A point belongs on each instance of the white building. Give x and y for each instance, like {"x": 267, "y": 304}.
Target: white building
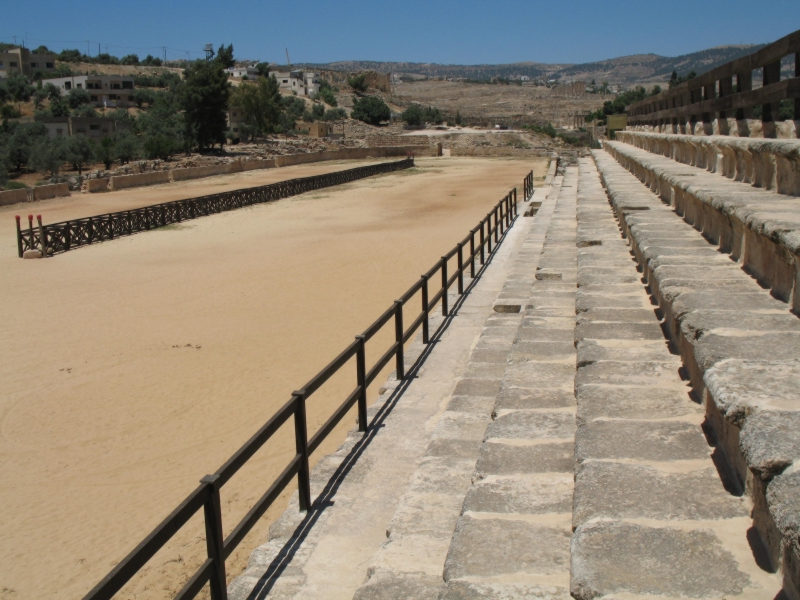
{"x": 110, "y": 91}
{"x": 303, "y": 84}
{"x": 249, "y": 71}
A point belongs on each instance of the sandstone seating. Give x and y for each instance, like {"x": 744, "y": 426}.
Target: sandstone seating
{"x": 739, "y": 347}
{"x": 759, "y": 228}
{"x": 771, "y": 164}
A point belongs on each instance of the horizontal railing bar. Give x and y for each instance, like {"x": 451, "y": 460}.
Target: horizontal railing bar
{"x": 411, "y": 291}
{"x": 327, "y": 427}
{"x": 197, "y": 581}
{"x": 133, "y": 562}
{"x": 382, "y": 362}
{"x": 320, "y": 378}
{"x": 434, "y": 269}
{"x": 379, "y": 322}
{"x": 435, "y": 299}
{"x": 452, "y": 279}
{"x": 251, "y": 446}
{"x": 147, "y": 548}
{"x": 413, "y": 328}
{"x": 261, "y": 506}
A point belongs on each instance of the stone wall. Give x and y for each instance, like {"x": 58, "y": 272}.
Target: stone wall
{"x": 97, "y": 185}
{"x": 13, "y": 196}
{"x": 128, "y": 181}
{"x": 45, "y": 192}
{"x": 198, "y": 172}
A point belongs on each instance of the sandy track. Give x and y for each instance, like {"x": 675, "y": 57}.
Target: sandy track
{"x": 131, "y": 368}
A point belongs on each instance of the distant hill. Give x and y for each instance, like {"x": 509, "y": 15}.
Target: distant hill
{"x": 625, "y": 70}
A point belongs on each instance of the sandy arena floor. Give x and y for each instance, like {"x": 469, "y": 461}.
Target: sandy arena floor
{"x": 132, "y": 368}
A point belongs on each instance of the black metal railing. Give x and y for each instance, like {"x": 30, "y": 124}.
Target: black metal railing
{"x": 67, "y": 235}
{"x": 712, "y": 93}
{"x": 471, "y": 256}
{"x": 527, "y": 187}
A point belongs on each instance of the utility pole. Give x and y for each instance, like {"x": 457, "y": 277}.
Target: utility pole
{"x": 15, "y": 39}
{"x": 165, "y": 54}
{"x": 87, "y": 47}
{"x": 288, "y": 62}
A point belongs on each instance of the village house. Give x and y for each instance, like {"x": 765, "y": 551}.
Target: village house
{"x": 108, "y": 91}
{"x": 22, "y": 60}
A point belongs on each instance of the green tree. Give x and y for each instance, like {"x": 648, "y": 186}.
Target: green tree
{"x": 53, "y": 93}
{"x": 158, "y": 146}
{"x": 59, "y": 108}
{"x": 412, "y": 115}
{"x": 87, "y": 110}
{"x": 78, "y": 97}
{"x": 79, "y": 152}
{"x": 260, "y": 104}
{"x": 327, "y": 93}
{"x": 143, "y": 96}
{"x": 129, "y": 59}
{"x": 19, "y": 88}
{"x": 263, "y": 69}
{"x": 358, "y": 82}
{"x": 204, "y": 100}
{"x": 39, "y": 96}
{"x": 371, "y": 109}
{"x": 48, "y": 155}
{"x": 225, "y": 56}
{"x": 21, "y": 142}
{"x": 150, "y": 61}
{"x": 72, "y": 56}
{"x": 126, "y": 147}
{"x": 335, "y": 114}
{"x": 105, "y": 152}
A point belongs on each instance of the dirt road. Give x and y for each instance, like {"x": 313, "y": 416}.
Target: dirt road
{"x": 132, "y": 368}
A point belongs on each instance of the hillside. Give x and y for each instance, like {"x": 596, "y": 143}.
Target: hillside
{"x": 625, "y": 70}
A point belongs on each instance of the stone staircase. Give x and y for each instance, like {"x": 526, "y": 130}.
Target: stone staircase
{"x": 612, "y": 413}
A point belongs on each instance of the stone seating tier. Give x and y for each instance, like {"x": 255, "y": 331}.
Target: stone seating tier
{"x": 766, "y": 163}
{"x": 739, "y": 346}
{"x": 759, "y": 228}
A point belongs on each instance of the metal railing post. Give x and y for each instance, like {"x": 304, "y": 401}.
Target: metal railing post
{"x": 301, "y": 446}
{"x": 425, "y": 339}
{"x": 214, "y": 539}
{"x": 361, "y": 374}
{"x": 496, "y": 225}
{"x": 444, "y": 286}
{"x": 19, "y": 236}
{"x": 42, "y": 236}
{"x": 489, "y": 234}
{"x": 460, "y": 269}
{"x": 483, "y": 242}
{"x": 472, "y": 254}
{"x": 398, "y": 336}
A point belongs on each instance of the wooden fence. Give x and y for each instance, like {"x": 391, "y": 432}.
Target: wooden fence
{"x": 68, "y": 235}
{"x": 713, "y": 95}
{"x": 470, "y": 255}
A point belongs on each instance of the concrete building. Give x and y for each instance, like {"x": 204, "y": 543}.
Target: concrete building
{"x": 235, "y": 119}
{"x": 95, "y": 128}
{"x": 109, "y": 91}
{"x": 297, "y": 81}
{"x": 22, "y": 60}
{"x": 249, "y": 71}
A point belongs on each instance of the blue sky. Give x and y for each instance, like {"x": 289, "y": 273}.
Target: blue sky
{"x": 443, "y": 31}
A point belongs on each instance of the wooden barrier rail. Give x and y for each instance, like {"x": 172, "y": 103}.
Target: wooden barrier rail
{"x": 207, "y": 495}
{"x": 67, "y": 235}
{"x": 712, "y": 92}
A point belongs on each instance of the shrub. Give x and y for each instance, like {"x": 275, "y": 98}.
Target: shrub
{"x": 78, "y": 97}
{"x": 326, "y": 93}
{"x": 335, "y": 114}
{"x": 159, "y": 146}
{"x": 129, "y": 59}
{"x": 412, "y": 115}
{"x": 371, "y": 109}
{"x": 546, "y": 129}
{"x": 358, "y": 82}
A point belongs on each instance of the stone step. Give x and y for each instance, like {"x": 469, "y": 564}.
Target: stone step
{"x": 512, "y": 537}
{"x": 651, "y": 514}
{"x": 759, "y": 228}
{"x": 416, "y": 561}
{"x": 772, "y": 164}
{"x": 326, "y": 553}
{"x": 738, "y": 347}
